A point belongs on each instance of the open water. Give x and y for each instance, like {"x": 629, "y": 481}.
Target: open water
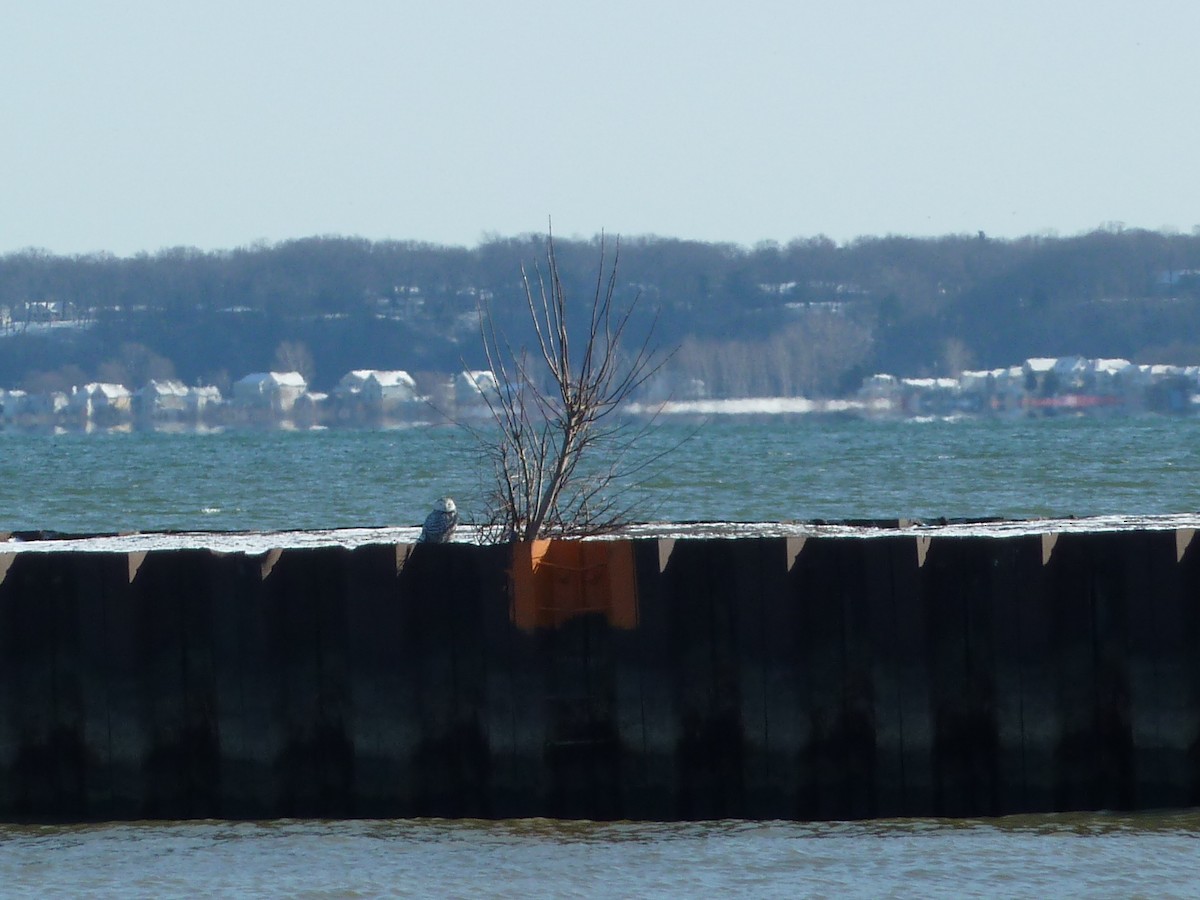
{"x": 782, "y": 470}
{"x": 728, "y": 470}
{"x": 1043, "y": 856}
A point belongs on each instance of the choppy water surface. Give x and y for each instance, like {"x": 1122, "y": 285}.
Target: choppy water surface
{"x": 795, "y": 469}
{"x": 1046, "y": 856}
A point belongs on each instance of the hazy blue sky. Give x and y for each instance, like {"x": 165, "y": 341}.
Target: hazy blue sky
{"x": 145, "y": 124}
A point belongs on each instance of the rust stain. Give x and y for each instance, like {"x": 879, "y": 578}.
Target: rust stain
{"x": 553, "y": 581}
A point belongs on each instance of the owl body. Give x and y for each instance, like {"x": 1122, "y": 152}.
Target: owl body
{"x": 439, "y": 524}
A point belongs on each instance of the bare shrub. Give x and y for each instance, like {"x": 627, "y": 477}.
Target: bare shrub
{"x": 560, "y": 452}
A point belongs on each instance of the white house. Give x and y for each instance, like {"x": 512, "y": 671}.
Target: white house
{"x": 346, "y": 398}
{"x": 1039, "y": 366}
{"x": 981, "y": 381}
{"x": 103, "y": 394}
{"x": 161, "y": 401}
{"x": 276, "y": 392}
{"x": 377, "y": 386}
{"x": 389, "y": 388}
{"x": 203, "y": 397}
{"x": 1044, "y": 374}
{"x": 366, "y": 396}
{"x": 1111, "y": 376}
{"x": 42, "y": 409}
{"x": 309, "y": 409}
{"x": 1010, "y": 388}
{"x": 351, "y": 384}
{"x": 471, "y": 386}
{"x": 100, "y": 403}
{"x": 881, "y": 392}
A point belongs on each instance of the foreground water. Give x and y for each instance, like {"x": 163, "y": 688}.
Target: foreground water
{"x": 734, "y": 471}
{"x": 797, "y": 469}
{"x": 1045, "y": 856}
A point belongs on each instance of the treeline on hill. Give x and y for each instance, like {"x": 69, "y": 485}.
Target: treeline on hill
{"x": 810, "y": 317}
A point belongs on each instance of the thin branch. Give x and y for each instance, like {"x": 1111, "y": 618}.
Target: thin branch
{"x": 558, "y": 453}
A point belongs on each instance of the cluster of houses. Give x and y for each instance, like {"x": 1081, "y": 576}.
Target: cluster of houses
{"x": 365, "y": 398}
{"x": 371, "y": 398}
{"x": 1040, "y": 386}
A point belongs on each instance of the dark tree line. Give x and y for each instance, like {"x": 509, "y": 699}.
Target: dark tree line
{"x": 820, "y": 312}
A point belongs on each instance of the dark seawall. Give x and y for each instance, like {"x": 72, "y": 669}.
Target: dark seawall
{"x": 769, "y": 677}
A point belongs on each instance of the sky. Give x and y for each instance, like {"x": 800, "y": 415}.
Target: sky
{"x": 137, "y": 125}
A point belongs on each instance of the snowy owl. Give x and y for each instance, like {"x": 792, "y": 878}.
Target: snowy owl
{"x": 439, "y": 524}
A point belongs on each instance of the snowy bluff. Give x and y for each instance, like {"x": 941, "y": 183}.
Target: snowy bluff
{"x": 801, "y": 672}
